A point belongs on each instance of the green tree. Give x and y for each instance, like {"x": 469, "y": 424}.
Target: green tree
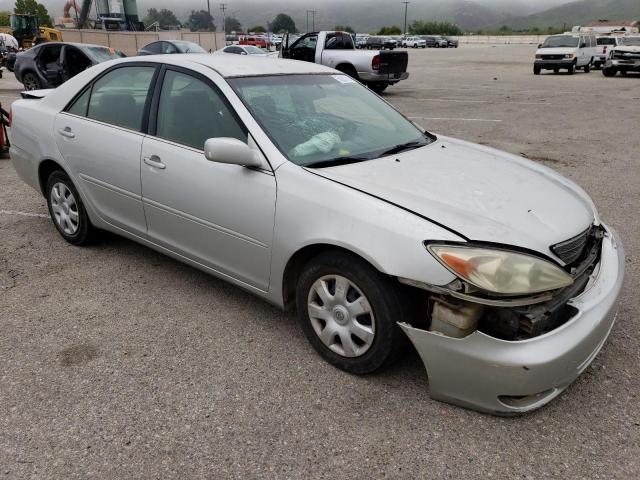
{"x": 345, "y": 28}
{"x": 232, "y": 25}
{"x": 31, "y": 7}
{"x": 257, "y": 29}
{"x": 201, "y": 21}
{"x": 166, "y": 18}
{"x": 420, "y": 27}
{"x": 4, "y": 19}
{"x": 390, "y": 31}
{"x": 283, "y": 23}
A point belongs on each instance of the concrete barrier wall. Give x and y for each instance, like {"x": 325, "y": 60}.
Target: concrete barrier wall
{"x": 502, "y": 39}
{"x": 130, "y": 42}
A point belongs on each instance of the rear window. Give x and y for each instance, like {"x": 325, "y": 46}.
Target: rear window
{"x": 606, "y": 41}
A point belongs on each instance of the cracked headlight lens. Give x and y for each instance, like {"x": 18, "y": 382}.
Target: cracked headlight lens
{"x": 501, "y": 271}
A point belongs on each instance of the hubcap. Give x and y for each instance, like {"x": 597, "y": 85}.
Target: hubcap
{"x": 64, "y": 209}
{"x": 341, "y": 316}
{"x": 30, "y": 82}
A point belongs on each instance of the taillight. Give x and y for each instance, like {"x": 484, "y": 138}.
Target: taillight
{"x": 604, "y": 49}
{"x": 375, "y": 63}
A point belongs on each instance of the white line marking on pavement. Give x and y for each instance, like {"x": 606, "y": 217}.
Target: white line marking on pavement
{"x": 465, "y": 100}
{"x": 23, "y": 214}
{"x": 456, "y": 119}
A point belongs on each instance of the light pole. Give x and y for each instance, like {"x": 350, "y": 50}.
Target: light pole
{"x": 313, "y": 19}
{"x": 223, "y": 7}
{"x": 406, "y": 6}
{"x": 208, "y": 7}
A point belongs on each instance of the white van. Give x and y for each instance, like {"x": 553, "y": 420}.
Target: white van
{"x": 568, "y": 51}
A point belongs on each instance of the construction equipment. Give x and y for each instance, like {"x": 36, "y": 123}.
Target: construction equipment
{"x": 111, "y": 15}
{"x": 28, "y": 32}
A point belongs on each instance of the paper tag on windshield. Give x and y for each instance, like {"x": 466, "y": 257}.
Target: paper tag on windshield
{"x": 344, "y": 79}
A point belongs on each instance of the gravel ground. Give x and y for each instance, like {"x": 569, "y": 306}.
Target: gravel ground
{"x": 118, "y": 362}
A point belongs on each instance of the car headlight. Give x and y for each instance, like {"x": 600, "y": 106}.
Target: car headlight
{"x": 500, "y": 271}
{"x": 569, "y": 55}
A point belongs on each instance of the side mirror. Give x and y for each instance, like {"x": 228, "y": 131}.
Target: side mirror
{"x": 231, "y": 151}
{"x": 539, "y": 45}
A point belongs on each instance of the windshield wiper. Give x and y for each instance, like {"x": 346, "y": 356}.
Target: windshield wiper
{"x": 404, "y": 146}
{"x": 334, "y": 162}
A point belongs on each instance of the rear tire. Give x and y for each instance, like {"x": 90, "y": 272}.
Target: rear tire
{"x": 67, "y": 210}
{"x": 378, "y": 87}
{"x": 31, "y": 81}
{"x": 349, "y": 312}
{"x": 348, "y": 70}
{"x": 587, "y": 68}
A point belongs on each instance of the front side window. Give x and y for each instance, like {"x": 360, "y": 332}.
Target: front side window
{"x": 317, "y": 120}
{"x": 191, "y": 112}
{"x": 631, "y": 41}
{"x": 119, "y": 97}
{"x": 155, "y": 47}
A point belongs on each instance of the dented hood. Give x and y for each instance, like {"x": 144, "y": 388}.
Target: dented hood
{"x": 481, "y": 193}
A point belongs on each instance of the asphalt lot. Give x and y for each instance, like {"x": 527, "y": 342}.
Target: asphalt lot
{"x": 117, "y": 362}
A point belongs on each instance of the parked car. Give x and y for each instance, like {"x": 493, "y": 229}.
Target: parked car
{"x": 414, "y": 42}
{"x": 256, "y": 41}
{"x": 244, "y": 50}
{"x": 380, "y": 43}
{"x": 435, "y": 41}
{"x": 567, "y": 52}
{"x": 300, "y": 185}
{"x": 361, "y": 40}
{"x": 451, "y": 42}
{"x": 624, "y": 58}
{"x": 51, "y": 64}
{"x": 605, "y": 45}
{"x": 377, "y": 69}
{"x": 171, "y": 47}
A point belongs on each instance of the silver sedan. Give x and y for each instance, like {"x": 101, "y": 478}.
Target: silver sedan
{"x": 297, "y": 183}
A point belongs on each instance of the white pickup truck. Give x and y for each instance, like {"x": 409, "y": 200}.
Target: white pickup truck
{"x": 376, "y": 69}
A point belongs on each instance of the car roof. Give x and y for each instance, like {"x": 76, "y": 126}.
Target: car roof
{"x": 237, "y": 65}
{"x": 73, "y": 44}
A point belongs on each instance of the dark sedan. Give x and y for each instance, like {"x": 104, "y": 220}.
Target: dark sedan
{"x": 164, "y": 47}
{"x": 51, "y": 64}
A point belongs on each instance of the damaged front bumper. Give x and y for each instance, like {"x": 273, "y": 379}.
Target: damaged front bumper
{"x": 510, "y": 377}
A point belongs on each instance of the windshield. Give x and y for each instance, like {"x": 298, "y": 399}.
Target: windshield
{"x": 188, "y": 47}
{"x": 103, "y": 54}
{"x": 631, "y": 41}
{"x": 323, "y": 120}
{"x": 561, "y": 41}
{"x": 250, "y": 49}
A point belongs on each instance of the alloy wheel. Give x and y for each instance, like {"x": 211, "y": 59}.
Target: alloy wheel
{"x": 341, "y": 316}
{"x": 65, "y": 209}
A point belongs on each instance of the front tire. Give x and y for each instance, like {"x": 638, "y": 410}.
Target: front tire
{"x": 609, "y": 72}
{"x": 536, "y": 70}
{"x": 348, "y": 312}
{"x": 571, "y": 70}
{"x": 67, "y": 210}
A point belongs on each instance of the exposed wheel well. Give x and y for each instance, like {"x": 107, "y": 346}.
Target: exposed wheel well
{"x": 45, "y": 169}
{"x": 348, "y": 69}
{"x": 297, "y": 262}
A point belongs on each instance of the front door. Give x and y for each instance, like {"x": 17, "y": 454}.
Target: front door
{"x": 100, "y": 138}
{"x": 219, "y": 215}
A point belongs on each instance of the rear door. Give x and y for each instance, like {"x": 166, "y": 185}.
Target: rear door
{"x": 100, "y": 137}
{"x": 219, "y": 215}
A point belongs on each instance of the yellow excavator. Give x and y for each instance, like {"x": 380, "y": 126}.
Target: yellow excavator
{"x": 27, "y": 31}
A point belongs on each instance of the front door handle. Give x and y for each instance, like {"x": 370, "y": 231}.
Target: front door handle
{"x": 67, "y": 132}
{"x": 155, "y": 162}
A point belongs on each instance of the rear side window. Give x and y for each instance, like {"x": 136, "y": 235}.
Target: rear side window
{"x": 119, "y": 97}
{"x": 191, "y": 112}
{"x": 154, "y": 47}
{"x": 81, "y": 104}
{"x": 606, "y": 41}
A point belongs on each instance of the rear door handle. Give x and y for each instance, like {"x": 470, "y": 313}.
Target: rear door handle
{"x": 67, "y": 133}
{"x": 155, "y": 162}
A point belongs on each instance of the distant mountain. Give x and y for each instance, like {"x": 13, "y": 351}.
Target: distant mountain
{"x": 575, "y": 13}
{"x": 363, "y": 15}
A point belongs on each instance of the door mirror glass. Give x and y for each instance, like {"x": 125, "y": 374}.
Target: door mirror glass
{"x": 231, "y": 151}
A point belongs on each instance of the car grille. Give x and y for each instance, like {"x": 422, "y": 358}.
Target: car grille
{"x": 571, "y": 250}
{"x": 626, "y": 56}
{"x": 552, "y": 57}
{"x": 393, "y": 62}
